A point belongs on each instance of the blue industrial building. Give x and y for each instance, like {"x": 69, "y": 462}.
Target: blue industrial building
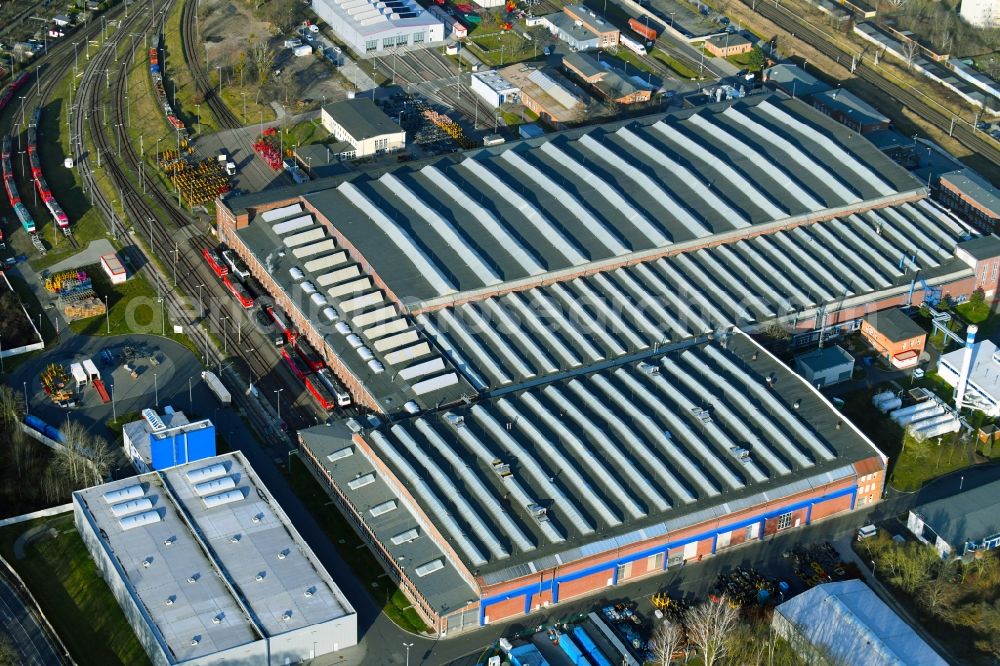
{"x": 160, "y": 441}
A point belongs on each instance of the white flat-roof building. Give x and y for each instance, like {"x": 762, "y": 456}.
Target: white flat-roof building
{"x": 372, "y": 26}
{"x": 494, "y": 88}
{"x": 983, "y": 389}
{"x": 209, "y": 570}
{"x": 362, "y": 124}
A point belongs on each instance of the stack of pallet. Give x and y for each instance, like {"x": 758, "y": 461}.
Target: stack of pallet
{"x": 83, "y": 307}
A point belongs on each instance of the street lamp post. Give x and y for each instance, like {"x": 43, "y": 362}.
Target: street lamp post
{"x": 156, "y": 391}
{"x": 201, "y": 302}
{"x": 27, "y": 407}
{"x": 407, "y": 646}
{"x": 190, "y": 399}
{"x": 107, "y": 314}
{"x": 114, "y": 410}
{"x": 277, "y": 392}
{"x": 225, "y": 341}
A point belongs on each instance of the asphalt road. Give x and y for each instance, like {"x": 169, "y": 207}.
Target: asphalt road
{"x": 30, "y": 641}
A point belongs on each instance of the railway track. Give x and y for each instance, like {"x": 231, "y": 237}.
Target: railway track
{"x": 961, "y": 130}
{"x": 174, "y": 237}
{"x": 224, "y": 116}
{"x": 52, "y": 67}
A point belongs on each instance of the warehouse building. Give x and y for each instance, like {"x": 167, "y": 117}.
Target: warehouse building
{"x": 673, "y": 225}
{"x": 846, "y": 623}
{"x": 963, "y": 523}
{"x": 209, "y": 570}
{"x": 568, "y": 312}
{"x": 373, "y": 26}
{"x": 158, "y": 441}
{"x": 543, "y": 494}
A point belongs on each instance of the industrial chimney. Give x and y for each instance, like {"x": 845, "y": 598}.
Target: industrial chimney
{"x": 963, "y": 376}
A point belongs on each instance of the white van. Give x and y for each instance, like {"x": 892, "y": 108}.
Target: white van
{"x": 867, "y": 532}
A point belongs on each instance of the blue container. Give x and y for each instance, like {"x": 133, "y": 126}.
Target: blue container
{"x": 154, "y": 69}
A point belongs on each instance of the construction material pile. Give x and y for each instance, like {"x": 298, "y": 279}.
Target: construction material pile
{"x": 199, "y": 182}
{"x": 56, "y": 384}
{"x": 449, "y": 127}
{"x": 76, "y": 294}
{"x": 266, "y": 147}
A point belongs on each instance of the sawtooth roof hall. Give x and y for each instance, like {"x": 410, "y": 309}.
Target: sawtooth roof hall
{"x": 540, "y": 456}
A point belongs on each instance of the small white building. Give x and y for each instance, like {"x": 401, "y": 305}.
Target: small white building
{"x": 112, "y": 265}
{"x": 362, "y": 124}
{"x": 982, "y": 391}
{"x": 980, "y": 13}
{"x": 495, "y": 89}
{"x": 825, "y": 367}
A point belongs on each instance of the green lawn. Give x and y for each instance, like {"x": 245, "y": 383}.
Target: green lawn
{"x": 54, "y": 147}
{"x": 676, "y": 65}
{"x": 71, "y": 592}
{"x": 974, "y": 313}
{"x": 352, "y": 548}
{"x": 919, "y": 462}
{"x": 133, "y": 309}
{"x": 634, "y": 60}
{"x": 304, "y": 133}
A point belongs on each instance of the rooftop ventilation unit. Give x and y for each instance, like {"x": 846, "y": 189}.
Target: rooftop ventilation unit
{"x": 330, "y": 314}
{"x": 122, "y": 494}
{"x": 353, "y": 425}
{"x": 318, "y": 299}
{"x": 539, "y": 512}
{"x": 355, "y": 341}
{"x": 309, "y": 592}
{"x": 286, "y": 616}
{"x": 501, "y": 468}
{"x": 343, "y": 328}
{"x": 140, "y": 519}
{"x": 455, "y": 419}
{"x": 131, "y": 506}
{"x": 365, "y": 353}
{"x": 296, "y": 273}
{"x": 648, "y": 368}
{"x": 411, "y": 407}
{"x": 429, "y": 567}
{"x": 384, "y": 507}
{"x": 740, "y": 454}
{"x": 405, "y": 537}
{"x": 376, "y": 366}
{"x": 341, "y": 453}
{"x": 308, "y": 287}
{"x": 156, "y": 424}
{"x": 206, "y": 473}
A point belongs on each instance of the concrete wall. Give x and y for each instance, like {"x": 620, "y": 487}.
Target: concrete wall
{"x": 114, "y": 576}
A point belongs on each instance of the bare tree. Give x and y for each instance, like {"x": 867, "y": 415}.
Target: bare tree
{"x": 895, "y": 4}
{"x": 262, "y": 56}
{"x": 8, "y": 655}
{"x": 708, "y": 627}
{"x": 910, "y": 49}
{"x": 667, "y": 639}
{"x": 11, "y": 408}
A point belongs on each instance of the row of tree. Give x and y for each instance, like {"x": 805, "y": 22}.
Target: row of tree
{"x": 720, "y": 633}
{"x": 963, "y": 595}
{"x": 36, "y": 476}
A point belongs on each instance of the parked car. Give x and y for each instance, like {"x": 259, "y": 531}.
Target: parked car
{"x": 313, "y": 27}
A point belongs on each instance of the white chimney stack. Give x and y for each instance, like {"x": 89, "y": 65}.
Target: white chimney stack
{"x": 963, "y": 377}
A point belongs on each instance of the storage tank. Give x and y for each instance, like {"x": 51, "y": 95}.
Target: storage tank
{"x": 940, "y": 426}
{"x": 879, "y": 398}
{"x": 906, "y": 414}
{"x": 893, "y": 403}
{"x": 924, "y": 424}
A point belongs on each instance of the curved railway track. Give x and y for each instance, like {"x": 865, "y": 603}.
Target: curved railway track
{"x": 961, "y": 130}
{"x": 223, "y": 114}
{"x": 176, "y": 237}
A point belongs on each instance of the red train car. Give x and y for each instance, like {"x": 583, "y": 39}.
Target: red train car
{"x": 309, "y": 355}
{"x": 215, "y": 262}
{"x": 21, "y": 80}
{"x": 282, "y": 321}
{"x": 36, "y": 165}
{"x": 322, "y": 394}
{"x": 294, "y": 364}
{"x": 12, "y": 195}
{"x": 239, "y": 291}
{"x": 43, "y": 189}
